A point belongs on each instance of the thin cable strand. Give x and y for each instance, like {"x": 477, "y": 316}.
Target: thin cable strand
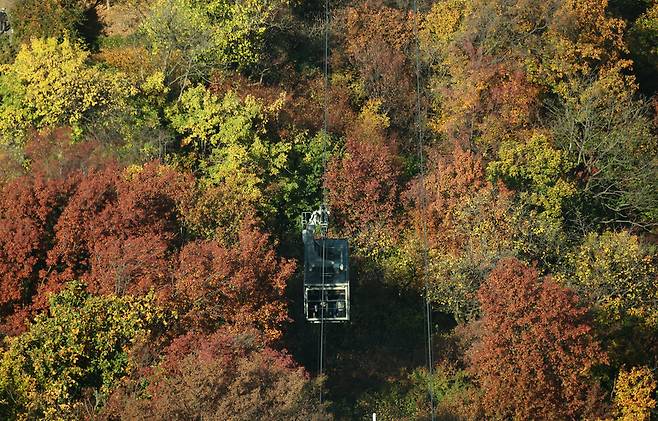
{"x": 423, "y": 211}
{"x": 325, "y": 135}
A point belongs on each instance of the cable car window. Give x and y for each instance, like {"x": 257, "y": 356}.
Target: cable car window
{"x": 334, "y": 265}
{"x": 336, "y": 304}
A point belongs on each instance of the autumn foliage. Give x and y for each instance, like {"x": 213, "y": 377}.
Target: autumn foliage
{"x": 379, "y": 40}
{"x": 220, "y": 376}
{"x": 364, "y": 183}
{"x": 241, "y": 286}
{"x": 29, "y": 207}
{"x": 536, "y": 349}
{"x": 122, "y": 231}
{"x": 109, "y": 228}
{"x": 77, "y": 347}
{"x": 495, "y": 160}
{"x": 635, "y": 391}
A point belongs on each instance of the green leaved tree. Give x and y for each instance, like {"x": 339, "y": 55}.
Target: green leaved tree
{"x": 74, "y": 353}
{"x": 229, "y": 141}
{"x": 51, "y": 84}
{"x": 188, "y": 39}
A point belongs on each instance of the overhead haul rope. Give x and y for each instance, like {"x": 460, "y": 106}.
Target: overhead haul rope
{"x": 423, "y": 214}
{"x": 423, "y": 197}
{"x": 325, "y": 135}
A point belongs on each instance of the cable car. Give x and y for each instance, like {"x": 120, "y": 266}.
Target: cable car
{"x": 326, "y": 270}
{"x": 5, "y": 27}
{"x": 4, "y": 22}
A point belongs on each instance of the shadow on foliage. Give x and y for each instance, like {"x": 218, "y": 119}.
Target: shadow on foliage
{"x": 384, "y": 338}
{"x": 91, "y": 28}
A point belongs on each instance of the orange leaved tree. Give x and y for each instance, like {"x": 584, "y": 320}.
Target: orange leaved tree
{"x": 535, "y": 349}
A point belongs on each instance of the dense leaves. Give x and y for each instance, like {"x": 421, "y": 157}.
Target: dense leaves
{"x": 114, "y": 230}
{"x": 364, "y": 183}
{"x": 189, "y": 39}
{"x": 218, "y": 377}
{"x": 70, "y": 358}
{"x": 243, "y": 285}
{"x": 535, "y": 350}
{"x": 634, "y": 393}
{"x": 156, "y": 156}
{"x": 50, "y": 84}
{"x": 470, "y": 226}
{"x": 30, "y": 206}
{"x": 50, "y": 18}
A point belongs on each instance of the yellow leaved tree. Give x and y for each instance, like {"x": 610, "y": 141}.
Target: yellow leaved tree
{"x": 635, "y": 394}
{"x": 51, "y": 84}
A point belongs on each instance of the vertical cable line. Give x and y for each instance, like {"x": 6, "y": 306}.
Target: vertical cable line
{"x": 423, "y": 212}
{"x": 325, "y": 135}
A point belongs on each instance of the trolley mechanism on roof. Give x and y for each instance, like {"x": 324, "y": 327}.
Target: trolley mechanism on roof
{"x": 326, "y": 270}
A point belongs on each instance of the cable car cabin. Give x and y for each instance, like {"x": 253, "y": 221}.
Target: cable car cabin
{"x": 4, "y": 22}
{"x": 326, "y": 271}
{"x": 326, "y": 262}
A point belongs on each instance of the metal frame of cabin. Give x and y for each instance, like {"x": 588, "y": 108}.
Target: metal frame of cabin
{"x": 326, "y": 273}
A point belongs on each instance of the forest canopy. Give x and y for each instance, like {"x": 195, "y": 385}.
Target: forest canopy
{"x": 495, "y": 159}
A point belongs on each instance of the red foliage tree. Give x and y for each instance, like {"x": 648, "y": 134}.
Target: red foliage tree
{"x": 113, "y": 229}
{"x": 218, "y": 377}
{"x": 364, "y": 184}
{"x": 27, "y": 208}
{"x": 535, "y": 348}
{"x": 119, "y": 230}
{"x": 123, "y": 231}
{"x": 242, "y": 285}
